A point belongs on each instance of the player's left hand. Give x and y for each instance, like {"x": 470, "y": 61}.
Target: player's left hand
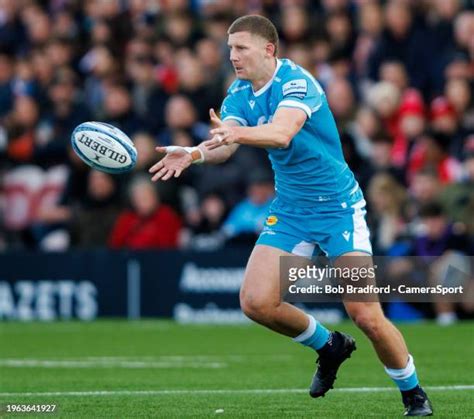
{"x": 222, "y": 134}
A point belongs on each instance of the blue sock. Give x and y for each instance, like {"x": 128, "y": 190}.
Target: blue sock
{"x": 405, "y": 378}
{"x": 315, "y": 336}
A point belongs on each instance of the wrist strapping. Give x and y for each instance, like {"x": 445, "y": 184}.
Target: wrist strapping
{"x": 196, "y": 153}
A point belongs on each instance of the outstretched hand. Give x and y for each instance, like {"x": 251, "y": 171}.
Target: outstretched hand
{"x": 176, "y": 160}
{"x": 222, "y": 134}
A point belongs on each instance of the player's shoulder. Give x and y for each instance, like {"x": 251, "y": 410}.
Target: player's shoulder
{"x": 238, "y": 88}
{"x": 294, "y": 77}
{"x": 289, "y": 69}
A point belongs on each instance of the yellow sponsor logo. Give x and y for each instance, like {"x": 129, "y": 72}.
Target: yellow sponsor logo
{"x": 271, "y": 220}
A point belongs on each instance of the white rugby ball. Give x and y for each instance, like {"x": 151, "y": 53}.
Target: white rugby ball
{"x": 104, "y": 147}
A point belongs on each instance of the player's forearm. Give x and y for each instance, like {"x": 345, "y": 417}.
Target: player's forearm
{"x": 268, "y": 135}
{"x": 218, "y": 155}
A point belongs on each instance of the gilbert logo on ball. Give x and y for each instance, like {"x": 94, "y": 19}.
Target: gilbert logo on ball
{"x": 104, "y": 147}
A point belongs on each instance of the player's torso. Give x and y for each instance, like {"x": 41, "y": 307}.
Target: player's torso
{"x": 312, "y": 167}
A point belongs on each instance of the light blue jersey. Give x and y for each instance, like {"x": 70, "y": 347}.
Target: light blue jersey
{"x": 319, "y": 205}
{"x": 312, "y": 169}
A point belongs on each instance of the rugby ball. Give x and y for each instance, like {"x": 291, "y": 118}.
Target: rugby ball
{"x": 104, "y": 147}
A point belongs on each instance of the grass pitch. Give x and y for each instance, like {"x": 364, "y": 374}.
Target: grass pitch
{"x": 120, "y": 369}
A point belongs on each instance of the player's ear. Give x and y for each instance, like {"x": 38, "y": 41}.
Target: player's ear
{"x": 270, "y": 49}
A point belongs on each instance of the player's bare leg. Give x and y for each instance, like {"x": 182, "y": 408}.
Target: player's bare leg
{"x": 260, "y": 299}
{"x": 388, "y": 343}
{"x": 260, "y": 294}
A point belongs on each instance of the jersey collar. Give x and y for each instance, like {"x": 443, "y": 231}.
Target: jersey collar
{"x": 269, "y": 82}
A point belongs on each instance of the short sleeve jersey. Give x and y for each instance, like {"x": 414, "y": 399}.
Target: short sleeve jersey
{"x": 312, "y": 168}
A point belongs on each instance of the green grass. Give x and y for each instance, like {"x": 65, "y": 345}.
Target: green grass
{"x": 168, "y": 356}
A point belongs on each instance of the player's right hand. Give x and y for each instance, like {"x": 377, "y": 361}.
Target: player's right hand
{"x": 175, "y": 161}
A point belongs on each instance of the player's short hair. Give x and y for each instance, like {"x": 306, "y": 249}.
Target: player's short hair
{"x": 257, "y": 25}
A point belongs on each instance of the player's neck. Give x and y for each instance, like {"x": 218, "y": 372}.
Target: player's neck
{"x": 267, "y": 73}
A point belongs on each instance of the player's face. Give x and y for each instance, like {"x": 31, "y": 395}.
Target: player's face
{"x": 247, "y": 54}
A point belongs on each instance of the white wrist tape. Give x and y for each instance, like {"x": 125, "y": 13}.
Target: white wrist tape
{"x": 196, "y": 153}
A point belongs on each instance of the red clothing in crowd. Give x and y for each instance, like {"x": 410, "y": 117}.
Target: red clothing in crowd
{"x": 158, "y": 230}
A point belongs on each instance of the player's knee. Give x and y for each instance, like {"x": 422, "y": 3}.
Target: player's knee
{"x": 372, "y": 326}
{"x": 256, "y": 307}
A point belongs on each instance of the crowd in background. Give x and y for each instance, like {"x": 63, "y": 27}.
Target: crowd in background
{"x": 398, "y": 76}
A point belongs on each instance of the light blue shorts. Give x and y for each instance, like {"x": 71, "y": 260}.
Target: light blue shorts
{"x": 333, "y": 227}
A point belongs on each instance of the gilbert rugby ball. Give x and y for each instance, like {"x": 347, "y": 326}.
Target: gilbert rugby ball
{"x": 104, "y": 147}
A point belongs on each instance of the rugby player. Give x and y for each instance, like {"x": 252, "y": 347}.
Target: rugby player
{"x": 277, "y": 105}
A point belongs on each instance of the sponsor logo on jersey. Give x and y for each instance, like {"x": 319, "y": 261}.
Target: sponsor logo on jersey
{"x": 271, "y": 220}
{"x": 297, "y": 88}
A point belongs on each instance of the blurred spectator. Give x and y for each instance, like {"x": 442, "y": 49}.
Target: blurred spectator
{"x": 193, "y": 84}
{"x": 384, "y": 98}
{"x": 431, "y": 151}
{"x": 20, "y": 129}
{"x": 386, "y": 199}
{"x": 364, "y": 129}
{"x": 64, "y": 113}
{"x": 395, "y": 73}
{"x": 443, "y": 116}
{"x": 215, "y": 72}
{"x": 356, "y": 162}
{"x": 442, "y": 245}
{"x": 464, "y": 32}
{"x": 58, "y": 215}
{"x": 445, "y": 120}
{"x": 438, "y": 256}
{"x": 89, "y": 196}
{"x": 181, "y": 118}
{"x": 118, "y": 110}
{"x": 93, "y": 220}
{"x": 437, "y": 235}
{"x": 60, "y": 52}
{"x": 295, "y": 25}
{"x": 146, "y": 154}
{"x": 148, "y": 223}
{"x": 12, "y": 34}
{"x": 6, "y": 87}
{"x": 166, "y": 71}
{"x": 24, "y": 82}
{"x": 180, "y": 28}
{"x": 407, "y": 42}
{"x": 342, "y": 101}
{"x": 246, "y": 220}
{"x": 205, "y": 230}
{"x": 300, "y": 54}
{"x": 370, "y": 26}
{"x": 424, "y": 189}
{"x": 458, "y": 198}
{"x": 100, "y": 68}
{"x": 341, "y": 36}
{"x": 411, "y": 124}
{"x": 148, "y": 99}
{"x": 458, "y": 92}
{"x": 380, "y": 158}
{"x": 445, "y": 12}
